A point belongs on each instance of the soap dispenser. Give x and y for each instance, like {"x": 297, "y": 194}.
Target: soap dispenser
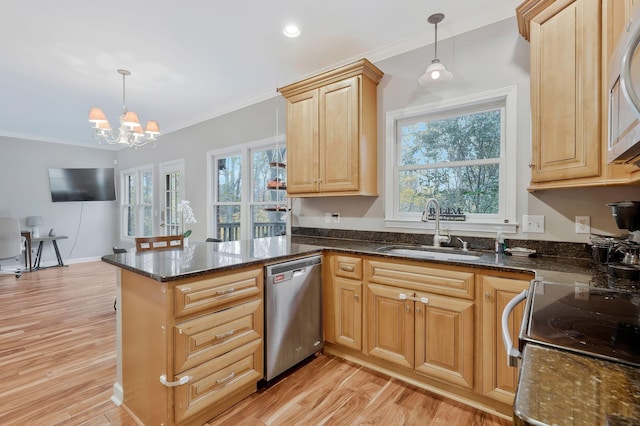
{"x": 499, "y": 245}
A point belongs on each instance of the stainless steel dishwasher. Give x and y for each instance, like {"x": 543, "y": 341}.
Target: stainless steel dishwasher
{"x": 293, "y": 313}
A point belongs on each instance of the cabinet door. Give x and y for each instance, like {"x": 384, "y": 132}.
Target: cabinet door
{"x": 302, "y": 143}
{"x": 348, "y": 312}
{"x": 390, "y": 328}
{"x": 339, "y": 141}
{"x": 444, "y": 339}
{"x": 565, "y": 91}
{"x": 498, "y": 379}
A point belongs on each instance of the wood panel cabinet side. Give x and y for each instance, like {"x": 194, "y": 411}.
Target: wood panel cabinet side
{"x": 144, "y": 349}
{"x": 369, "y": 137}
{"x": 328, "y": 305}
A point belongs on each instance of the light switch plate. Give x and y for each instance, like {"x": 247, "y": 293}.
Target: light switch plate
{"x": 583, "y": 224}
{"x": 533, "y": 224}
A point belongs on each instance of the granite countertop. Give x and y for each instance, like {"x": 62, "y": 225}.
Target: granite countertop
{"x": 561, "y": 388}
{"x": 202, "y": 258}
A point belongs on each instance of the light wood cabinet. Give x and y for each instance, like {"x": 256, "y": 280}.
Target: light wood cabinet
{"x": 332, "y": 132}
{"x": 498, "y": 379}
{"x": 202, "y": 335}
{"x": 571, "y": 44}
{"x": 343, "y": 301}
{"x": 413, "y": 323}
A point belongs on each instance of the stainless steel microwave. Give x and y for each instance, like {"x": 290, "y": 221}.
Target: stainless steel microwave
{"x": 624, "y": 99}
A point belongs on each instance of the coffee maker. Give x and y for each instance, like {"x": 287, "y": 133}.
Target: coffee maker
{"x": 623, "y": 256}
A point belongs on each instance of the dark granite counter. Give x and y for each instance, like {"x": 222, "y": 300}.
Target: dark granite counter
{"x": 204, "y": 258}
{"x": 560, "y": 388}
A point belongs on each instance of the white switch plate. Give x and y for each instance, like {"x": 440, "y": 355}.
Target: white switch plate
{"x": 533, "y": 224}
{"x": 583, "y": 224}
{"x": 336, "y": 218}
{"x": 327, "y": 217}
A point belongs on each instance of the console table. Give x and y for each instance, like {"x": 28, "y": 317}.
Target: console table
{"x": 41, "y": 241}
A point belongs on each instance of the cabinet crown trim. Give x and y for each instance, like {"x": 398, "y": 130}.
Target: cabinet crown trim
{"x": 361, "y": 67}
{"x": 528, "y": 10}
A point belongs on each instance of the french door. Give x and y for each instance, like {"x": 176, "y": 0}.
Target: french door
{"x": 172, "y": 187}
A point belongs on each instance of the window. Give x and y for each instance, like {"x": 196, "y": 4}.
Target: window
{"x": 172, "y": 185}
{"x": 249, "y": 191}
{"x": 461, "y": 152}
{"x": 137, "y": 202}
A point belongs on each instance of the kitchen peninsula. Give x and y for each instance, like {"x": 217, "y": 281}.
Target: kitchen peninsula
{"x": 195, "y": 317}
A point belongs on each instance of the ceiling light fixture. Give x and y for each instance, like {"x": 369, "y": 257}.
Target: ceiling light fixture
{"x": 130, "y": 132}
{"x": 436, "y": 72}
{"x": 291, "y": 31}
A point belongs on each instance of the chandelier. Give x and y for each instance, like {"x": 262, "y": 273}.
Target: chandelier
{"x": 436, "y": 72}
{"x": 130, "y": 132}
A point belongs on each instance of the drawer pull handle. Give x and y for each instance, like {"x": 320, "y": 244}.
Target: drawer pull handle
{"x": 227, "y": 291}
{"x": 226, "y": 379}
{"x": 183, "y": 380}
{"x": 223, "y": 335}
{"x": 185, "y": 289}
{"x": 424, "y": 300}
{"x": 348, "y": 268}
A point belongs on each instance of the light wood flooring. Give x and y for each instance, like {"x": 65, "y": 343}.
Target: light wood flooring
{"x": 57, "y": 367}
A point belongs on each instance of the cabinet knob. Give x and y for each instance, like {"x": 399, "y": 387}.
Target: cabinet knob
{"x": 356, "y": 296}
{"x": 418, "y": 310}
{"x": 407, "y": 308}
{"x": 487, "y": 295}
{"x": 531, "y": 165}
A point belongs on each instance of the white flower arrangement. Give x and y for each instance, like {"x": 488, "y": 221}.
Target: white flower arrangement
{"x": 186, "y": 215}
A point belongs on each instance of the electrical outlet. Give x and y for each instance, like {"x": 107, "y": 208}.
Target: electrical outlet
{"x": 533, "y": 224}
{"x": 336, "y": 218}
{"x": 583, "y": 224}
{"x": 327, "y": 217}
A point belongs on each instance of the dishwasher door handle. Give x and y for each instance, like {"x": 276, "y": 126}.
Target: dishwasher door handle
{"x": 512, "y": 353}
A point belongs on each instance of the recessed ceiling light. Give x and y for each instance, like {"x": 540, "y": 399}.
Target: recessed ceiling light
{"x": 291, "y": 31}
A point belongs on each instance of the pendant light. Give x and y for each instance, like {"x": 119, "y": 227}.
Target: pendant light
{"x": 436, "y": 72}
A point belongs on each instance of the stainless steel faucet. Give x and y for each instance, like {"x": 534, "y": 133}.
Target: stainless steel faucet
{"x": 437, "y": 238}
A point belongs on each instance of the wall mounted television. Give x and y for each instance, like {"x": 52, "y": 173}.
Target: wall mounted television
{"x": 97, "y": 184}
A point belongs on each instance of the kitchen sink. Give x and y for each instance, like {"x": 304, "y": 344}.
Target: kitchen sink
{"x": 425, "y": 252}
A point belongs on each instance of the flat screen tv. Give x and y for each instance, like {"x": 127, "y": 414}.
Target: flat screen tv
{"x": 82, "y": 184}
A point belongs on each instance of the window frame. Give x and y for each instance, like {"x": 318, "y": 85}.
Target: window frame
{"x": 139, "y": 204}
{"x": 245, "y": 151}
{"x": 504, "y": 99}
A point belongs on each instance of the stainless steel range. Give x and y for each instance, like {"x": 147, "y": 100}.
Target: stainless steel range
{"x": 604, "y": 323}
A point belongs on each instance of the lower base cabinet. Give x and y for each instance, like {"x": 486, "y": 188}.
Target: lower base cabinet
{"x": 190, "y": 348}
{"x": 435, "y": 326}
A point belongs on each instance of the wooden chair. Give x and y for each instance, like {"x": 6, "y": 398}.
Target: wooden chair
{"x": 159, "y": 243}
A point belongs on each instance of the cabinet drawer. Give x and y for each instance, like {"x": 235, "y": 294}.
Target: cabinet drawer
{"x": 208, "y": 336}
{"x": 217, "y": 379}
{"x": 347, "y": 267}
{"x": 217, "y": 291}
{"x": 423, "y": 278}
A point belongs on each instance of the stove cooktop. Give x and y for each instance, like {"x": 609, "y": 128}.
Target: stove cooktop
{"x": 599, "y": 322}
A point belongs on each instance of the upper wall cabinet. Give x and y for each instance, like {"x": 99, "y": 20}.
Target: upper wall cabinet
{"x": 570, "y": 47}
{"x": 332, "y": 132}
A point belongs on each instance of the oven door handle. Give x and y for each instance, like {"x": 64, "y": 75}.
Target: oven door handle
{"x": 512, "y": 353}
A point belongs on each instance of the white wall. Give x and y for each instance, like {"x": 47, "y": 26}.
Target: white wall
{"x": 25, "y": 191}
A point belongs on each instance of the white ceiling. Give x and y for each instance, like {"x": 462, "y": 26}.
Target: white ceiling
{"x": 192, "y": 60}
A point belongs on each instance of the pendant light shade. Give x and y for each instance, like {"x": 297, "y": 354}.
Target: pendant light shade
{"x": 436, "y": 72}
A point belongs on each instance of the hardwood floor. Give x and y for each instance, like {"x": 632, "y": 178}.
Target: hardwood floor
{"x": 57, "y": 367}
